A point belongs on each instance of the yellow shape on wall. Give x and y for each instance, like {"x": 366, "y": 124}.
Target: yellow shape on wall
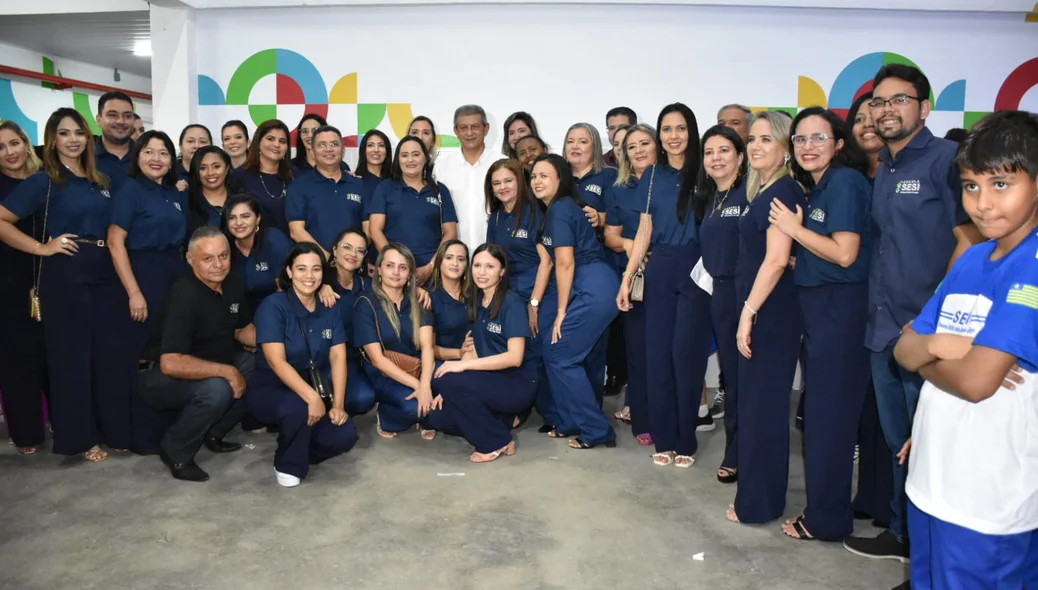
{"x": 400, "y": 116}
{"x": 809, "y": 93}
{"x": 345, "y": 90}
{"x": 1032, "y": 17}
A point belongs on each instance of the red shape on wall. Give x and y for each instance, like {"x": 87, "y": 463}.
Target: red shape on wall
{"x": 288, "y": 91}
{"x": 1023, "y": 79}
{"x": 317, "y": 109}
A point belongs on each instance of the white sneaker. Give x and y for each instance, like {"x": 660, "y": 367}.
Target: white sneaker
{"x": 285, "y": 480}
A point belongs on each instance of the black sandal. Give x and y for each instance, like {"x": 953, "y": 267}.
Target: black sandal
{"x": 556, "y": 434}
{"x": 581, "y": 445}
{"x": 730, "y": 475}
{"x": 798, "y": 528}
{"x": 545, "y": 428}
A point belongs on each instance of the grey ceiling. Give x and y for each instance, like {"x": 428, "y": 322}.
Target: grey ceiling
{"x": 102, "y": 39}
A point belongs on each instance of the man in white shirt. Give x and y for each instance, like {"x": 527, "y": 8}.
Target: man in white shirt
{"x": 465, "y": 172}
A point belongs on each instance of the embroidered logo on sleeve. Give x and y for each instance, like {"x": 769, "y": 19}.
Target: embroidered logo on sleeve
{"x": 1026, "y": 295}
{"x": 234, "y": 308}
{"x": 546, "y": 240}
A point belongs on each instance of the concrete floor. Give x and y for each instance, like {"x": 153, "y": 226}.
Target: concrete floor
{"x": 400, "y": 514}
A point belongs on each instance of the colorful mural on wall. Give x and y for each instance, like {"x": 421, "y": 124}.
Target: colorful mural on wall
{"x": 10, "y": 109}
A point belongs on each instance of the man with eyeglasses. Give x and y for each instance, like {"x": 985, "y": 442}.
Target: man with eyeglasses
{"x": 465, "y": 172}
{"x": 326, "y": 199}
{"x": 922, "y": 229}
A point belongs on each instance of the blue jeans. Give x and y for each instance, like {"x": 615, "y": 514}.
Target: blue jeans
{"x": 897, "y": 394}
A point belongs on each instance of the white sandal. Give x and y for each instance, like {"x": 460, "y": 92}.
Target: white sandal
{"x": 663, "y": 459}
{"x": 684, "y": 461}
{"x": 507, "y": 450}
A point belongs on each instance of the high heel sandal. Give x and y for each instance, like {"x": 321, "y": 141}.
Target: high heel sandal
{"x": 95, "y": 455}
{"x": 581, "y": 445}
{"x": 507, "y": 450}
{"x": 378, "y": 427}
{"x": 727, "y": 475}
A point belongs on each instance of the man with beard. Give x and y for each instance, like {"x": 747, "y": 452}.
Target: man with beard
{"x": 922, "y": 229}
{"x": 116, "y": 118}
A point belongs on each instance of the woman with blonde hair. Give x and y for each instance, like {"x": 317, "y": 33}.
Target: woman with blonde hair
{"x": 22, "y": 367}
{"x": 396, "y": 337}
{"x": 770, "y": 324}
{"x": 76, "y": 289}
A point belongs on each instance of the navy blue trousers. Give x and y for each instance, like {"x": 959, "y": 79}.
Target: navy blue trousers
{"x": 545, "y": 401}
{"x": 299, "y": 445}
{"x": 677, "y": 347}
{"x": 765, "y": 389}
{"x": 482, "y": 404}
{"x": 724, "y": 311}
{"x": 834, "y": 336}
{"x": 89, "y": 380}
{"x": 875, "y": 473}
{"x": 396, "y": 413}
{"x": 23, "y": 365}
{"x": 592, "y": 307}
{"x": 637, "y": 377}
{"x": 360, "y": 394}
{"x": 155, "y": 271}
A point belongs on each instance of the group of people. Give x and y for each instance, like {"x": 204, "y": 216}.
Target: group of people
{"x": 175, "y": 295}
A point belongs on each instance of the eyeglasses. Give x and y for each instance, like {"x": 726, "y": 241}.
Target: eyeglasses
{"x": 898, "y": 100}
{"x": 350, "y": 249}
{"x": 329, "y": 144}
{"x": 817, "y": 139}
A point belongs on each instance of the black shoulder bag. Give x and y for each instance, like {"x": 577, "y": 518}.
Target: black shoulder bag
{"x": 313, "y": 374}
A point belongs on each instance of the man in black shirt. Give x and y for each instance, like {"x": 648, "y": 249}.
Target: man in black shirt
{"x": 195, "y": 362}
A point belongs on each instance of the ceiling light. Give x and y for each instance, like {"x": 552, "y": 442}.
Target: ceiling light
{"x": 142, "y": 48}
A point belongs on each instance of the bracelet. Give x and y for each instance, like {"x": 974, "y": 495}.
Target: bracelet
{"x": 746, "y": 304}
{"x": 628, "y": 274}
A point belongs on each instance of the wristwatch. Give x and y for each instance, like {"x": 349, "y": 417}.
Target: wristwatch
{"x": 534, "y": 303}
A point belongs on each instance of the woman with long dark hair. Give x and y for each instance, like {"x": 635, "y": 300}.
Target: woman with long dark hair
{"x": 492, "y": 381}
{"x": 257, "y": 250}
{"x": 349, "y": 283}
{"x": 304, "y": 156}
{"x": 584, "y": 307}
{"x": 267, "y": 171}
{"x": 23, "y": 368}
{"x": 375, "y": 161}
{"x": 210, "y": 185}
{"x": 235, "y": 136}
{"x": 517, "y": 126}
{"x": 722, "y": 189}
{"x": 299, "y": 339}
{"x": 78, "y": 291}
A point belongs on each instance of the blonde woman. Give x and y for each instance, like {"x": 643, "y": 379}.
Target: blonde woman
{"x": 393, "y": 330}
{"x": 770, "y": 325}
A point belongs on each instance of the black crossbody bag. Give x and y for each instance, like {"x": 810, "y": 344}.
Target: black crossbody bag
{"x": 313, "y": 375}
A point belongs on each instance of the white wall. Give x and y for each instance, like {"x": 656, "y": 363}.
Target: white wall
{"x": 30, "y": 99}
{"x": 569, "y": 63}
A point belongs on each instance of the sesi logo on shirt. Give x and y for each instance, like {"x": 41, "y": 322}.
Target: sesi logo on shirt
{"x": 493, "y": 328}
{"x": 432, "y": 200}
{"x": 262, "y": 267}
{"x": 732, "y": 211}
{"x": 326, "y": 334}
{"x": 817, "y": 215}
{"x": 546, "y": 240}
{"x": 962, "y": 314}
{"x": 907, "y": 187}
{"x": 353, "y": 197}
{"x": 521, "y": 234}
{"x": 594, "y": 188}
{"x": 234, "y": 308}
{"x": 177, "y": 205}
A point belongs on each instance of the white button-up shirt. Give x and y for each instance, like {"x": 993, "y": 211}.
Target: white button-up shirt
{"x": 465, "y": 182}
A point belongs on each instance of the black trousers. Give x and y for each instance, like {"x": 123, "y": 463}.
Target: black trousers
{"x": 23, "y": 367}
{"x": 616, "y": 350}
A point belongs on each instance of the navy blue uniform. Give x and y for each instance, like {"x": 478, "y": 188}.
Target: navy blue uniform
{"x": 360, "y": 394}
{"x": 395, "y": 412}
{"x": 677, "y": 316}
{"x": 765, "y": 379}
{"x": 592, "y": 187}
{"x": 326, "y": 206}
{"x": 590, "y": 309}
{"x": 482, "y": 403}
{"x": 23, "y": 367}
{"x": 282, "y": 318}
{"x": 520, "y": 246}
{"x": 450, "y": 319}
{"x": 112, "y": 166}
{"x": 259, "y": 270}
{"x": 270, "y": 190}
{"x": 414, "y": 218}
{"x": 916, "y": 203}
{"x": 720, "y": 244}
{"x": 155, "y": 220}
{"x": 89, "y": 379}
{"x": 834, "y": 301}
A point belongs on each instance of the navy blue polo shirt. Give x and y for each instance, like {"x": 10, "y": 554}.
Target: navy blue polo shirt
{"x": 840, "y": 202}
{"x": 270, "y": 190}
{"x": 519, "y": 244}
{"x": 283, "y": 318}
{"x": 299, "y": 170}
{"x": 326, "y": 206}
{"x": 450, "y": 319}
{"x": 414, "y": 218}
{"x": 347, "y": 299}
{"x": 17, "y": 265}
{"x": 592, "y": 187}
{"x": 663, "y": 207}
{"x": 182, "y": 172}
{"x": 371, "y": 182}
{"x": 491, "y": 335}
{"x": 754, "y": 224}
{"x": 719, "y": 232}
{"x": 260, "y": 269}
{"x": 567, "y": 226}
{"x": 366, "y": 328}
{"x": 154, "y": 216}
{"x": 114, "y": 167}
{"x": 916, "y": 203}
{"x": 623, "y": 209}
{"x": 76, "y": 207}
{"x": 215, "y": 215}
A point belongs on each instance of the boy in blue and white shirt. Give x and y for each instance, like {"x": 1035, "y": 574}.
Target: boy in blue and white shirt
{"x": 973, "y": 474}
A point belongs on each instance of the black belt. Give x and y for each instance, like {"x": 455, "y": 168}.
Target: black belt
{"x": 91, "y": 241}
{"x": 143, "y": 366}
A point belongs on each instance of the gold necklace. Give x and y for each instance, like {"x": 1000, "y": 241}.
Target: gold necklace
{"x": 721, "y": 204}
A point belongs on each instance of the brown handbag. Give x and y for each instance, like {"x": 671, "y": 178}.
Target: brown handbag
{"x": 638, "y": 280}
{"x": 407, "y": 363}
{"x": 35, "y": 309}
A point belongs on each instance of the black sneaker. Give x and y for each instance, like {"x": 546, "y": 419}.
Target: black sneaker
{"x": 884, "y": 546}
{"x": 705, "y": 424}
{"x": 717, "y": 410}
